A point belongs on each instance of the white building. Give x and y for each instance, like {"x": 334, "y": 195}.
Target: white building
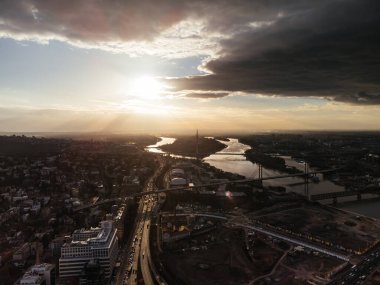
{"x": 99, "y": 243}
{"x": 38, "y": 274}
{"x": 21, "y": 255}
{"x": 30, "y": 280}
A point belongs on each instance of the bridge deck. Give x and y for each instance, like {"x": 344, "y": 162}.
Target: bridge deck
{"x": 210, "y": 184}
{"x": 235, "y": 182}
{"x": 332, "y": 195}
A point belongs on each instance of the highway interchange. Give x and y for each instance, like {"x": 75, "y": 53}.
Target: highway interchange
{"x": 354, "y": 275}
{"x": 359, "y": 272}
{"x": 136, "y": 261}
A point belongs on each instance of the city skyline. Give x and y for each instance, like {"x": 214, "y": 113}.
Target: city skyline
{"x": 175, "y": 66}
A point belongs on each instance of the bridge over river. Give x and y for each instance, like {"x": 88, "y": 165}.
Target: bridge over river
{"x": 195, "y": 187}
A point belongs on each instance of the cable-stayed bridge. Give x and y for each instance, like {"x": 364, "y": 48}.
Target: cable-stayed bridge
{"x": 196, "y": 187}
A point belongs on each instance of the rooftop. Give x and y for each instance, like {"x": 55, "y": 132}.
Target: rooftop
{"x": 93, "y": 236}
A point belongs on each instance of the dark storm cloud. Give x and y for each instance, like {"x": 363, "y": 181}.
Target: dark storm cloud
{"x": 330, "y": 50}
{"x": 207, "y": 95}
{"x": 325, "y": 48}
{"x": 101, "y": 20}
{"x": 90, "y": 20}
{"x": 362, "y": 98}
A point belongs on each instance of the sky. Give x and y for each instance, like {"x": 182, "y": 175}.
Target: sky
{"x": 168, "y": 66}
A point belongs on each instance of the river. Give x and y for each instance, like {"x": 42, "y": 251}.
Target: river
{"x": 240, "y": 165}
{"x": 156, "y": 147}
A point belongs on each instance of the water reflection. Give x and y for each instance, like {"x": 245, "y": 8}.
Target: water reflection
{"x": 165, "y": 140}
{"x": 156, "y": 147}
{"x": 238, "y": 164}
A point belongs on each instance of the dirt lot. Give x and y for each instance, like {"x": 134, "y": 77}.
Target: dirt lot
{"x": 225, "y": 261}
{"x": 374, "y": 279}
{"x": 330, "y": 225}
{"x": 221, "y": 257}
{"x": 314, "y": 265}
{"x": 299, "y": 267}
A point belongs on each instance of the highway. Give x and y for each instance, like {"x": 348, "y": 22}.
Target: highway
{"x": 295, "y": 241}
{"x": 358, "y": 273}
{"x": 135, "y": 263}
{"x": 135, "y": 256}
{"x": 131, "y": 254}
{"x": 144, "y": 246}
{"x": 138, "y": 247}
{"x": 125, "y": 261}
{"x": 200, "y": 214}
{"x": 147, "y": 266}
{"x": 127, "y": 273}
{"x": 141, "y": 259}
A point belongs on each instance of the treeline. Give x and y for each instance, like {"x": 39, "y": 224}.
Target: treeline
{"x": 272, "y": 162}
{"x": 187, "y": 146}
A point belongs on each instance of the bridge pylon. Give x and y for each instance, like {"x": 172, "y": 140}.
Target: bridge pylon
{"x": 306, "y": 189}
{"x": 260, "y": 171}
{"x": 260, "y": 182}
{"x": 197, "y": 145}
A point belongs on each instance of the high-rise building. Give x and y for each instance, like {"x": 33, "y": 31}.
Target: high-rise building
{"x": 99, "y": 243}
{"x": 120, "y": 221}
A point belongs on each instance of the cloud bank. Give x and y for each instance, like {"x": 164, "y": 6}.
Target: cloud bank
{"x": 329, "y": 51}
{"x": 327, "y": 48}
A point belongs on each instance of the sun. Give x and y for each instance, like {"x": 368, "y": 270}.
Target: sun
{"x": 147, "y": 88}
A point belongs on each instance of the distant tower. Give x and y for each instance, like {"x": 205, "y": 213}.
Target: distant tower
{"x": 197, "y": 145}
{"x": 260, "y": 172}
{"x": 307, "y": 180}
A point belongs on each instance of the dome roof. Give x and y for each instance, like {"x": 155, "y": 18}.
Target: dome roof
{"x": 178, "y": 181}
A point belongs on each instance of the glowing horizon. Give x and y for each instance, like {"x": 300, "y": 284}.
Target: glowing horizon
{"x": 156, "y": 67}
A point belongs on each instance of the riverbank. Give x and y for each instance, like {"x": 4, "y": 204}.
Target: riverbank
{"x": 187, "y": 146}
{"x": 224, "y": 139}
{"x": 272, "y": 162}
{"x": 237, "y": 167}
